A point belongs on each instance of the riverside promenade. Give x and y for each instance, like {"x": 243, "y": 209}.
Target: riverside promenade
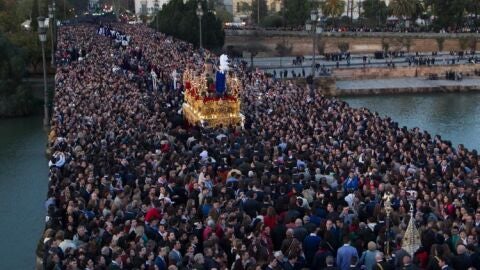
{"x": 132, "y": 186}
{"x": 404, "y": 85}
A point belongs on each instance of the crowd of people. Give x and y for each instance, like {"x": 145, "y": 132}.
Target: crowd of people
{"x": 391, "y": 27}
{"x": 132, "y": 186}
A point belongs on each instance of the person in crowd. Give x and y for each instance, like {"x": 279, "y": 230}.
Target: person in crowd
{"x": 133, "y": 186}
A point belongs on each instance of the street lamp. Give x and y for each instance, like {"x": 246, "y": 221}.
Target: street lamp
{"x": 50, "y": 24}
{"x": 54, "y": 37}
{"x": 313, "y": 26}
{"x": 42, "y": 35}
{"x": 200, "y": 15}
{"x": 156, "y": 8}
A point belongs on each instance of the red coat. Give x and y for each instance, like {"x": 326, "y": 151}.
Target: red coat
{"x": 153, "y": 213}
{"x": 270, "y": 221}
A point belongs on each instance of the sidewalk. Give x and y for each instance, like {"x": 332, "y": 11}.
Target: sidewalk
{"x": 405, "y": 85}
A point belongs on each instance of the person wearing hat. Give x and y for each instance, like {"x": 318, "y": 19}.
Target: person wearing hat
{"x": 368, "y": 257}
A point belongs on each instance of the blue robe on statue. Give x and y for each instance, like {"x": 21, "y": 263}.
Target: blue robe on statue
{"x": 220, "y": 83}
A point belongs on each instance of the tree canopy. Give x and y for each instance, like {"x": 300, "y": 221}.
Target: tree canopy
{"x": 375, "y": 11}
{"x": 259, "y": 10}
{"x": 333, "y": 8}
{"x": 403, "y": 8}
{"x": 297, "y": 12}
{"x": 180, "y": 20}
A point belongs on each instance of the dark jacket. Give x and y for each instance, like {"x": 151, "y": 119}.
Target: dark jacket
{"x": 382, "y": 266}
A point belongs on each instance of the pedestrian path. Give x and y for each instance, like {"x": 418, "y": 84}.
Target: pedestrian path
{"x": 404, "y": 83}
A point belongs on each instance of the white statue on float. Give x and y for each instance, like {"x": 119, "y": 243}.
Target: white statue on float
{"x": 224, "y": 63}
{"x": 220, "y": 78}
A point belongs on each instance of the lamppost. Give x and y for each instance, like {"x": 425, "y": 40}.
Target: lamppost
{"x": 387, "y": 205}
{"x": 54, "y": 37}
{"x": 50, "y": 24}
{"x": 200, "y": 15}
{"x": 156, "y": 7}
{"x": 42, "y": 35}
{"x": 313, "y": 25}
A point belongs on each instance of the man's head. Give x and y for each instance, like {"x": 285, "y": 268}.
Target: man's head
{"x": 406, "y": 260}
{"x": 329, "y": 260}
{"x": 461, "y": 249}
{"x": 298, "y": 222}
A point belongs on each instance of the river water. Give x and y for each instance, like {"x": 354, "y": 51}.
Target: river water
{"x": 23, "y": 167}
{"x": 454, "y": 116}
{"x": 23, "y": 187}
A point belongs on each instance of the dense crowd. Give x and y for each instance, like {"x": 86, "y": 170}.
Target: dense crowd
{"x": 132, "y": 186}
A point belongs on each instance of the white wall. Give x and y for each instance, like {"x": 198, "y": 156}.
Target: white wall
{"x": 150, "y": 5}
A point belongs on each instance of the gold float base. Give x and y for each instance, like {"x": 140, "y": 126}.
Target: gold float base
{"x": 195, "y": 118}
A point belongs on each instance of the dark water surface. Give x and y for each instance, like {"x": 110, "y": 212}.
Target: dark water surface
{"x": 454, "y": 116}
{"x": 23, "y": 187}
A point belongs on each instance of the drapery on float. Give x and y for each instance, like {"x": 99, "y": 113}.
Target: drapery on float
{"x": 212, "y": 100}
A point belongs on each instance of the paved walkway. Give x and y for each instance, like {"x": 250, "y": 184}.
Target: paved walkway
{"x": 399, "y": 83}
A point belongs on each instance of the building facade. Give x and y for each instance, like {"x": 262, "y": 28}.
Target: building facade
{"x": 241, "y": 12}
{"x": 353, "y": 8}
{"x": 147, "y": 7}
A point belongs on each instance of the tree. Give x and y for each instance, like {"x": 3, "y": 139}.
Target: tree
{"x": 259, "y": 10}
{"x": 440, "y": 42}
{"x": 272, "y": 21}
{"x": 35, "y": 11}
{"x": 297, "y": 12}
{"x": 463, "y": 43}
{"x": 472, "y": 43}
{"x": 180, "y": 20}
{"x": 244, "y": 7}
{"x": 15, "y": 99}
{"x": 403, "y": 9}
{"x": 407, "y": 42}
{"x": 283, "y": 49}
{"x": 321, "y": 45}
{"x": 223, "y": 15}
{"x": 333, "y": 8}
{"x": 254, "y": 48}
{"x": 375, "y": 11}
{"x": 385, "y": 46}
{"x": 9, "y": 23}
{"x": 343, "y": 46}
{"x": 473, "y": 7}
{"x": 449, "y": 13}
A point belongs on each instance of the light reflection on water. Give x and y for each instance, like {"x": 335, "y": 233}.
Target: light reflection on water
{"x": 451, "y": 115}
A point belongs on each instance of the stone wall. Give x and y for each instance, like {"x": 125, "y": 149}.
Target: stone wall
{"x": 399, "y": 72}
{"x": 405, "y": 90}
{"x": 302, "y": 44}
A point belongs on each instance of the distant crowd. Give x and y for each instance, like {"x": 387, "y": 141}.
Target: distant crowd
{"x": 390, "y": 28}
{"x": 133, "y": 186}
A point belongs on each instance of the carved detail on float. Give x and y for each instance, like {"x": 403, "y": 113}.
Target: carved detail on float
{"x": 204, "y": 107}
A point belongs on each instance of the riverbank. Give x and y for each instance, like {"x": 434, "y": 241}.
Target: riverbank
{"x": 359, "y": 42}
{"x": 404, "y": 86}
{"x": 27, "y": 99}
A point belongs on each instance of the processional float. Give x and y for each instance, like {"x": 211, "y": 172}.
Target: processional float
{"x": 209, "y": 101}
{"x": 411, "y": 240}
